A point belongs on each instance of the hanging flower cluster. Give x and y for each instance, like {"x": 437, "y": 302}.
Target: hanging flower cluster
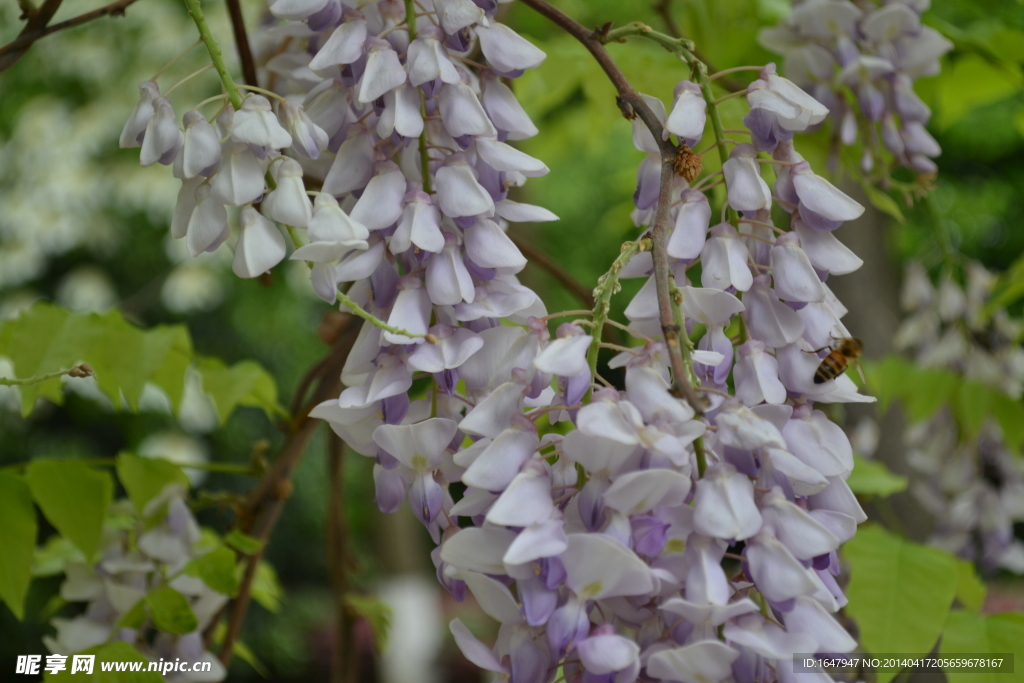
{"x": 137, "y": 558}
{"x": 974, "y": 487}
{"x": 589, "y": 526}
{"x": 613, "y": 533}
{"x": 860, "y": 60}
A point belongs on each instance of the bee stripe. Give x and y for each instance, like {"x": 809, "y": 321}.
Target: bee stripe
{"x": 830, "y": 368}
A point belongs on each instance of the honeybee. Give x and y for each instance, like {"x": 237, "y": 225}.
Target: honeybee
{"x": 847, "y": 350}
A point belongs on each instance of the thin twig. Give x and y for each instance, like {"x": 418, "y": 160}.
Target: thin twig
{"x": 242, "y": 43}
{"x": 631, "y": 104}
{"x": 262, "y": 510}
{"x": 541, "y": 259}
{"x": 343, "y": 661}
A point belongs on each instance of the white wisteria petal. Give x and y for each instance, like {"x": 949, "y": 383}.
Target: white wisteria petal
{"x": 756, "y": 375}
{"x": 691, "y": 227}
{"x": 566, "y": 356}
{"x": 256, "y": 124}
{"x": 636, "y": 492}
{"x": 208, "y": 227}
{"x": 383, "y": 71}
{"x": 810, "y": 618}
{"x": 607, "y": 653}
{"x": 494, "y": 598}
{"x": 462, "y": 113}
{"x": 747, "y": 190}
{"x": 505, "y": 111}
{"x": 343, "y": 47}
{"x": 353, "y": 164}
{"x": 260, "y": 245}
{"x": 429, "y": 60}
{"x": 418, "y": 446}
{"x": 819, "y": 442}
{"x": 503, "y": 157}
{"x": 724, "y": 504}
{"x": 724, "y": 260}
{"x": 506, "y": 50}
{"x": 381, "y": 202}
{"x": 825, "y": 251}
{"x": 488, "y": 246}
{"x": 778, "y": 575}
{"x": 478, "y": 549}
{"x": 526, "y": 501}
{"x": 458, "y": 191}
{"x": 792, "y": 272}
{"x": 805, "y": 536}
{"x": 296, "y": 9}
{"x": 288, "y": 203}
{"x": 499, "y": 463}
{"x": 457, "y": 14}
{"x": 707, "y": 661}
{"x": 599, "y": 567}
{"x": 516, "y": 212}
{"x": 473, "y": 650}
{"x": 710, "y": 307}
{"x": 822, "y": 197}
{"x": 201, "y": 146}
{"x": 689, "y": 113}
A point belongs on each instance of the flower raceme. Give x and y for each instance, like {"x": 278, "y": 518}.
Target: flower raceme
{"x": 613, "y": 532}
{"x": 860, "y": 61}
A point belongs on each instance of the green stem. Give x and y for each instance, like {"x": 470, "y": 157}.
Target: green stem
{"x": 410, "y": 22}
{"x": 11, "y": 382}
{"x": 375, "y": 321}
{"x": 216, "y": 57}
{"x": 607, "y": 286}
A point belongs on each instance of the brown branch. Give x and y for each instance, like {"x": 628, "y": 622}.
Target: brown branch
{"x": 343, "y": 660}
{"x": 260, "y": 514}
{"x": 37, "y": 27}
{"x": 664, "y": 10}
{"x": 540, "y": 258}
{"x": 242, "y": 42}
{"x": 630, "y": 102}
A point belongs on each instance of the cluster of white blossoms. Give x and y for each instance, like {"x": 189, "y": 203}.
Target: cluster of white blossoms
{"x": 614, "y": 533}
{"x": 135, "y": 559}
{"x": 973, "y": 486}
{"x": 861, "y": 60}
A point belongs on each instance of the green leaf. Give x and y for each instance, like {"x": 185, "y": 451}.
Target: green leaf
{"x": 73, "y": 497}
{"x": 243, "y": 652}
{"x": 376, "y": 612}
{"x": 266, "y": 589}
{"x": 974, "y": 404}
{"x": 244, "y": 383}
{"x": 18, "y": 533}
{"x": 144, "y": 478}
{"x": 115, "y": 652}
{"x": 930, "y": 390}
{"x": 883, "y": 201}
{"x": 970, "y": 589}
{"x": 970, "y": 633}
{"x": 217, "y": 570}
{"x": 243, "y": 543}
{"x": 50, "y": 558}
{"x": 170, "y": 611}
{"x": 970, "y": 83}
{"x": 134, "y": 617}
{"x": 899, "y": 592}
{"x": 870, "y": 477}
{"x": 887, "y": 379}
{"x": 1009, "y": 413}
{"x": 45, "y": 339}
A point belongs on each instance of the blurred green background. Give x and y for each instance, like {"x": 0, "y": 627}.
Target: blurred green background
{"x": 82, "y": 225}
